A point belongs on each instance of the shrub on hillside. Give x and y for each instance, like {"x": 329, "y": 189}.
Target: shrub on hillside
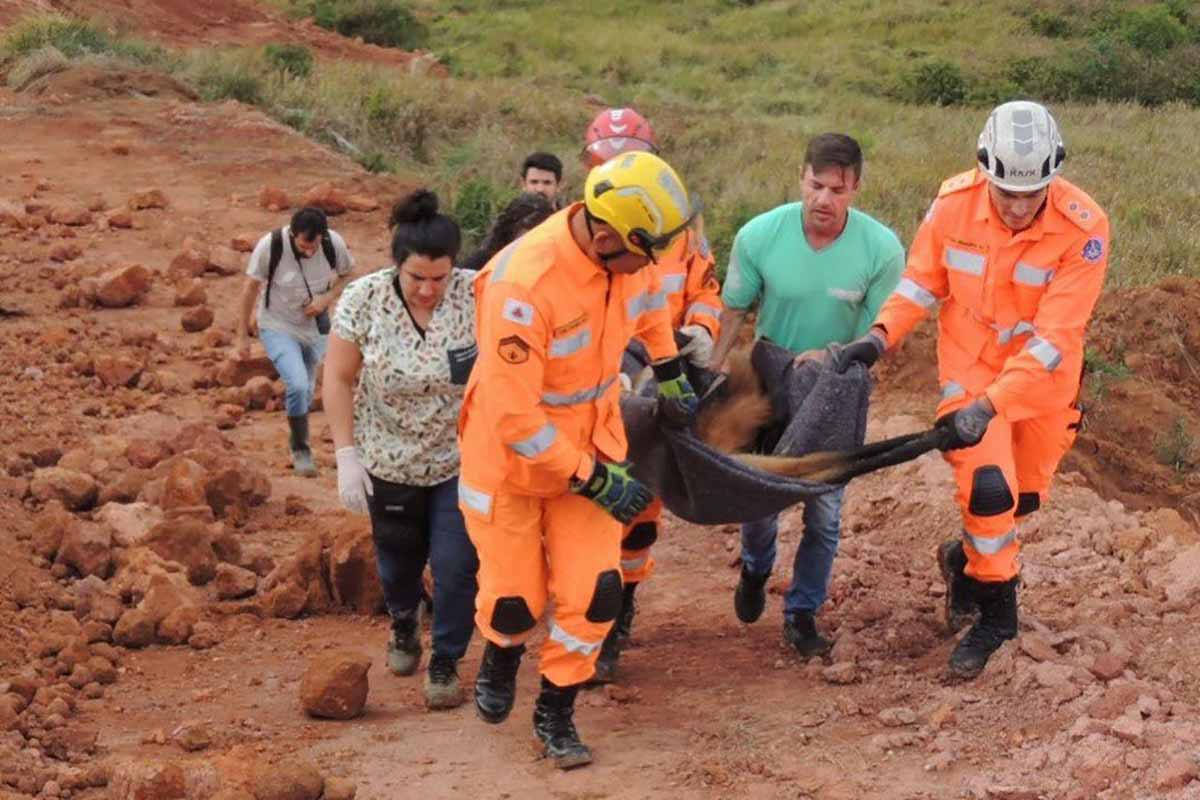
{"x": 71, "y": 37}
{"x": 41, "y": 62}
{"x": 1152, "y": 29}
{"x": 1050, "y": 25}
{"x": 294, "y": 59}
{"x": 388, "y": 23}
{"x": 475, "y": 206}
{"x": 936, "y": 82}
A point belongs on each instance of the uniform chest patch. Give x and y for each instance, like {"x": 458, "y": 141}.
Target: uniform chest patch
{"x": 1093, "y": 250}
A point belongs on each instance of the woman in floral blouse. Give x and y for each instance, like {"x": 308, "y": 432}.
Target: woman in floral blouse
{"x": 407, "y": 335}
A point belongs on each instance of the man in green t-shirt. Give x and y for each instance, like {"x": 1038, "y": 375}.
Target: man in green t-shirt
{"x": 819, "y": 270}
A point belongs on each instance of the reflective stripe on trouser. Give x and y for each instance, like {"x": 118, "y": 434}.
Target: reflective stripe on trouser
{"x": 638, "y": 565}
{"x": 1026, "y": 454}
{"x": 538, "y": 549}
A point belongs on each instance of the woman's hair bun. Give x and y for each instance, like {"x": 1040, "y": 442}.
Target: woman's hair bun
{"x": 420, "y": 206}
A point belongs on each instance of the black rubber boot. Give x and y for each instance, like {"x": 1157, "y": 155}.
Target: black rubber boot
{"x": 997, "y": 624}
{"x": 496, "y": 683}
{"x": 302, "y": 460}
{"x": 750, "y": 596}
{"x": 606, "y": 663}
{"x": 554, "y": 725}
{"x": 962, "y": 609}
{"x": 404, "y": 648}
{"x": 624, "y": 623}
{"x": 800, "y": 631}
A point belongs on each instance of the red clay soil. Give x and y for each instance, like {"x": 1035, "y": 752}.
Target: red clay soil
{"x": 1097, "y": 699}
{"x": 209, "y": 23}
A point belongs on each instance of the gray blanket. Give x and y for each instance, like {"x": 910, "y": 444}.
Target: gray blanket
{"x": 815, "y": 408}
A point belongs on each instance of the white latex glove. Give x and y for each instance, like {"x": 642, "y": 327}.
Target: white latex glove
{"x": 353, "y": 482}
{"x": 626, "y": 383}
{"x": 699, "y": 349}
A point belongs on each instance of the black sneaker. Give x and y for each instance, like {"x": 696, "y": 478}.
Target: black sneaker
{"x": 800, "y": 631}
{"x": 750, "y": 596}
{"x": 404, "y": 648}
{"x": 441, "y": 683}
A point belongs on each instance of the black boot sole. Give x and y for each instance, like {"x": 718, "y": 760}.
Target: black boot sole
{"x": 571, "y": 760}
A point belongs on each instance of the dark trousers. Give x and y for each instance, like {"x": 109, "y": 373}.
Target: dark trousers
{"x": 413, "y": 524}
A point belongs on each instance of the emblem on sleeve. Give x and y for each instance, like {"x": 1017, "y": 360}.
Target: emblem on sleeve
{"x": 1093, "y": 250}
{"x": 518, "y": 312}
{"x": 513, "y": 349}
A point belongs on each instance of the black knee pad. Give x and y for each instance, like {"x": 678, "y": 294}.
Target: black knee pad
{"x": 606, "y": 599}
{"x": 1027, "y": 503}
{"x": 990, "y": 495}
{"x": 511, "y": 616}
{"x": 641, "y": 536}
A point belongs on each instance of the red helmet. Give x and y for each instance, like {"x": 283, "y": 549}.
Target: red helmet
{"x": 615, "y": 131}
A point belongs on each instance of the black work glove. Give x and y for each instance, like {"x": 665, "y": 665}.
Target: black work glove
{"x": 677, "y": 400}
{"x": 616, "y": 491}
{"x": 965, "y": 427}
{"x": 864, "y": 350}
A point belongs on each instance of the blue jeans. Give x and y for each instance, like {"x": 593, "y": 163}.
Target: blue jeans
{"x": 296, "y": 362}
{"x": 414, "y": 524}
{"x": 814, "y": 556}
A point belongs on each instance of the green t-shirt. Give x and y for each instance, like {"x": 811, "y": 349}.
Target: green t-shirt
{"x": 809, "y": 298}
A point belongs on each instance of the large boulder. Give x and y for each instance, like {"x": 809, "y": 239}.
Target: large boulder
{"x": 183, "y": 484}
{"x": 224, "y": 260}
{"x": 197, "y": 319}
{"x": 130, "y": 523}
{"x": 95, "y": 600}
{"x": 145, "y": 453}
{"x": 148, "y": 198}
{"x": 122, "y": 287}
{"x": 353, "y": 574}
{"x": 50, "y": 527}
{"x": 233, "y": 582}
{"x": 335, "y": 685}
{"x": 135, "y": 629}
{"x": 165, "y": 593}
{"x": 326, "y": 197}
{"x": 87, "y": 549}
{"x": 190, "y": 262}
{"x": 185, "y": 540}
{"x": 297, "y": 584}
{"x": 237, "y": 371}
{"x": 117, "y": 369}
{"x": 272, "y": 198}
{"x": 76, "y": 491}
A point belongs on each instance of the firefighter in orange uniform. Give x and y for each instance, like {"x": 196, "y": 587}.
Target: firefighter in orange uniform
{"x": 694, "y": 302}
{"x": 1017, "y": 257}
{"x": 544, "y": 488}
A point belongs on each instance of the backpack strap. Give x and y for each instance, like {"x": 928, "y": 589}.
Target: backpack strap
{"x": 273, "y": 263}
{"x": 329, "y": 251}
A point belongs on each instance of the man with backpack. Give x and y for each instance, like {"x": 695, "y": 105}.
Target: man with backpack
{"x": 293, "y": 280}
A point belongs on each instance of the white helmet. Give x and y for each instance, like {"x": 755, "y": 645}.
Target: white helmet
{"x": 1020, "y": 148}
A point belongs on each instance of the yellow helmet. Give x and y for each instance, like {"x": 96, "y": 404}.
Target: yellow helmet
{"x": 642, "y": 199}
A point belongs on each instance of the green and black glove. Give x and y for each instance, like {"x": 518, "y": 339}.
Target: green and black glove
{"x": 677, "y": 400}
{"x": 616, "y": 491}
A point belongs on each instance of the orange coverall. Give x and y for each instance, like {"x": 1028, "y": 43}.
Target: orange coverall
{"x": 540, "y": 405}
{"x": 1011, "y": 326}
{"x": 693, "y": 298}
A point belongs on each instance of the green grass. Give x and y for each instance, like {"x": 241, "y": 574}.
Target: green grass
{"x": 734, "y": 91}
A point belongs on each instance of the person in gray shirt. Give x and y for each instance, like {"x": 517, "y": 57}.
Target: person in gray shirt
{"x": 293, "y": 280}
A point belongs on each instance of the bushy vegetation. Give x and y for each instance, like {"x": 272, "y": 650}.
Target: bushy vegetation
{"x": 735, "y": 90}
{"x": 388, "y": 23}
{"x": 294, "y": 59}
{"x": 75, "y": 38}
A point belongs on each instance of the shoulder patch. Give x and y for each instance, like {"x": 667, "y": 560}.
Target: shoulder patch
{"x": 963, "y": 180}
{"x": 513, "y": 349}
{"x": 1093, "y": 249}
{"x": 517, "y": 311}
